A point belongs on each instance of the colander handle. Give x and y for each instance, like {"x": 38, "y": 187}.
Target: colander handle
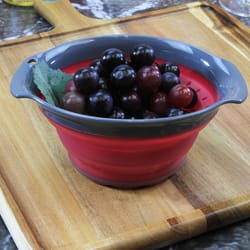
{"x": 233, "y": 87}
{"x": 21, "y": 82}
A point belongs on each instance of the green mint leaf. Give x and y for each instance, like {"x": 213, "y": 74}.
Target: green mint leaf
{"x": 40, "y": 77}
{"x": 58, "y": 81}
{"x": 50, "y": 82}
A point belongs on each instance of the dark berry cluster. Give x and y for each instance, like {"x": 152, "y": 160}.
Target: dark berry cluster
{"x": 128, "y": 86}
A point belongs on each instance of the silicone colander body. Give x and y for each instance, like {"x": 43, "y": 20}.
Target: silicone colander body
{"x": 126, "y": 162}
{"x": 130, "y": 161}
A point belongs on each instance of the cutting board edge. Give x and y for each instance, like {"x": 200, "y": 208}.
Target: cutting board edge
{"x": 14, "y": 219}
{"x": 161, "y": 235}
{"x": 25, "y": 239}
{"x": 12, "y": 205}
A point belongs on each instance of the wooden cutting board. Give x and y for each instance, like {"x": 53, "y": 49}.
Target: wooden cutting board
{"x": 47, "y": 204}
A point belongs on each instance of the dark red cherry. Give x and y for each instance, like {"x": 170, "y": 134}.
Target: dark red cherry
{"x": 159, "y": 103}
{"x": 149, "y": 78}
{"x": 180, "y": 96}
{"x": 73, "y": 101}
{"x": 194, "y": 100}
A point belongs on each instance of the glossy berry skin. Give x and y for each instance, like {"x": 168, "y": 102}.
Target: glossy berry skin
{"x": 180, "y": 96}
{"x": 194, "y": 100}
{"x": 100, "y": 103}
{"x": 73, "y": 101}
{"x": 86, "y": 80}
{"x": 118, "y": 113}
{"x": 96, "y": 64}
{"x": 159, "y": 103}
{"x": 171, "y": 112}
{"x": 142, "y": 55}
{"x": 111, "y": 58}
{"x": 168, "y": 80}
{"x": 149, "y": 78}
{"x": 123, "y": 77}
{"x": 131, "y": 103}
{"x": 169, "y": 67}
{"x": 134, "y": 86}
{"x": 103, "y": 83}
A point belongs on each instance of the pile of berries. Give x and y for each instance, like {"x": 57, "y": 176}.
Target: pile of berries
{"x": 135, "y": 86}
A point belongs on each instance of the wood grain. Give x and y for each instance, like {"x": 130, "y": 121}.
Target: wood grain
{"x": 47, "y": 204}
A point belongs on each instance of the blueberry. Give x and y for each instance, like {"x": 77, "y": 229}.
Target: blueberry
{"x": 103, "y": 83}
{"x": 168, "y": 80}
{"x": 100, "y": 103}
{"x": 123, "y": 77}
{"x": 86, "y": 80}
{"x": 169, "y": 67}
{"x": 96, "y": 64}
{"x": 142, "y": 55}
{"x": 118, "y": 113}
{"x": 175, "y": 112}
{"x": 111, "y": 58}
